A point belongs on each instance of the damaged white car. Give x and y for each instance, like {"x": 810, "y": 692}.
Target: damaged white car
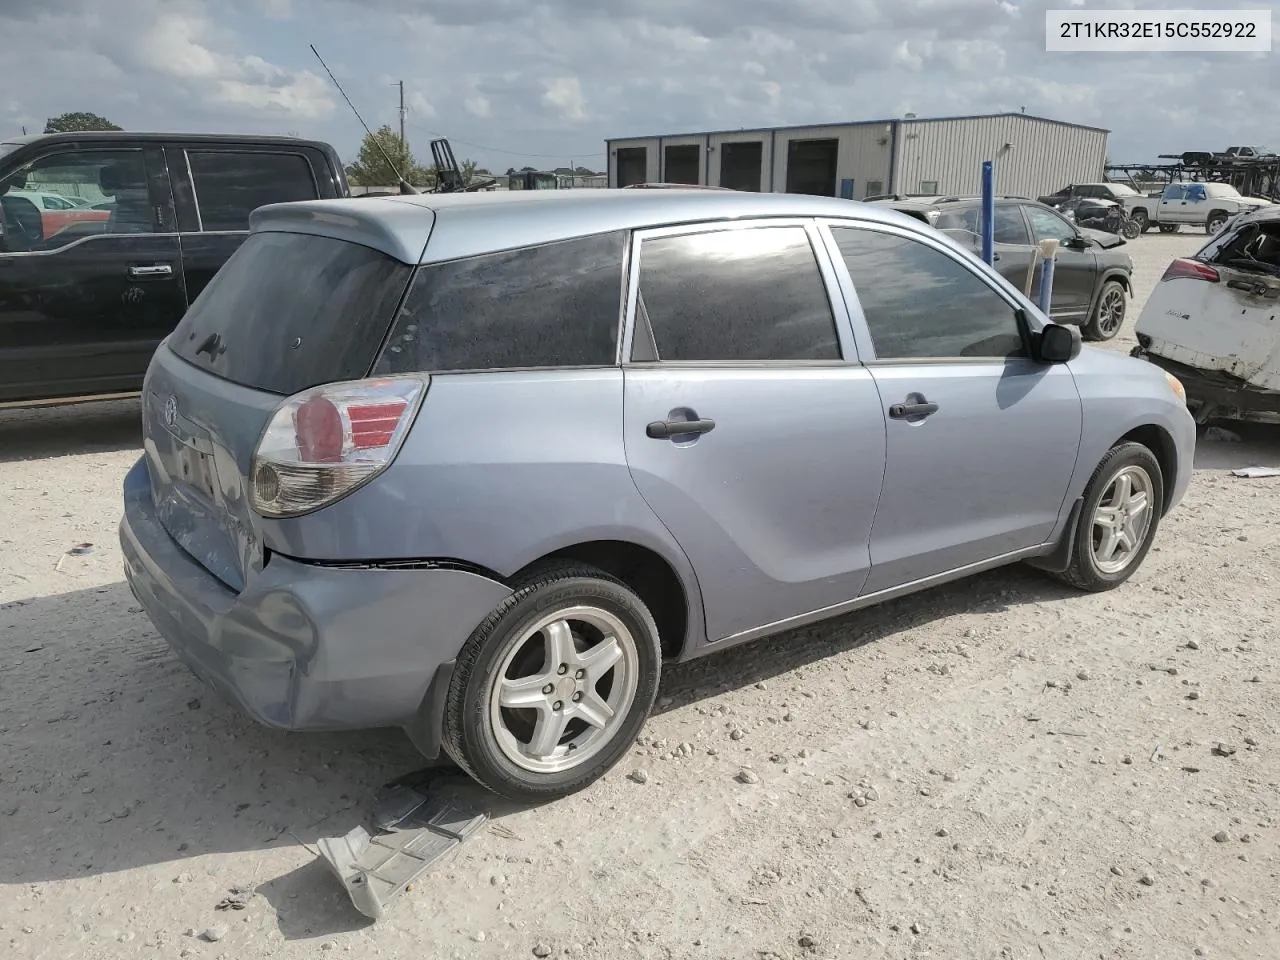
{"x": 1212, "y": 322}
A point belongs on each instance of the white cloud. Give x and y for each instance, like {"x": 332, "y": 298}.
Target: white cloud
{"x": 556, "y": 77}
{"x": 419, "y": 106}
{"x": 169, "y": 47}
{"x": 564, "y": 94}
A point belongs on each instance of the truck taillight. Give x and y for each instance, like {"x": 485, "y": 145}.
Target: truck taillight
{"x": 1190, "y": 270}
{"x": 325, "y": 442}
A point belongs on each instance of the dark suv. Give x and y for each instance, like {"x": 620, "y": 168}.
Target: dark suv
{"x": 89, "y": 287}
{"x": 1092, "y": 279}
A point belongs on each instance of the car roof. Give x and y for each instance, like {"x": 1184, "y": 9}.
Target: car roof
{"x": 82, "y": 136}
{"x": 467, "y": 224}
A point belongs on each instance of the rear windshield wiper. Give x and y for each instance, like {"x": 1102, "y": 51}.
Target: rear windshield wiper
{"x": 1254, "y": 266}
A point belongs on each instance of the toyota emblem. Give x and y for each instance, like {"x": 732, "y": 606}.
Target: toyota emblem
{"x": 171, "y": 411}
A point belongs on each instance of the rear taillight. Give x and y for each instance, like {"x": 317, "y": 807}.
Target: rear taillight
{"x": 1190, "y": 270}
{"x": 325, "y": 442}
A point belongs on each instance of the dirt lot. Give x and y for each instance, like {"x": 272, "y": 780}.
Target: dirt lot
{"x": 1001, "y": 768}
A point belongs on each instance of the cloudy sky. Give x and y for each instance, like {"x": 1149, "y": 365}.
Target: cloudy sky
{"x": 543, "y": 82}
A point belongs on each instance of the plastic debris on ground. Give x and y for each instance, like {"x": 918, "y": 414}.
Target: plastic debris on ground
{"x": 1254, "y": 473}
{"x": 416, "y": 821}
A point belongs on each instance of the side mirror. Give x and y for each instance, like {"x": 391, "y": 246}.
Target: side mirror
{"x": 1079, "y": 242}
{"x": 1059, "y": 343}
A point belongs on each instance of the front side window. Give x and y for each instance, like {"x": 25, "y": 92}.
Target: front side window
{"x": 113, "y": 180}
{"x": 230, "y": 185}
{"x": 735, "y": 295}
{"x": 1049, "y": 226}
{"x": 920, "y": 303}
{"x": 552, "y": 305}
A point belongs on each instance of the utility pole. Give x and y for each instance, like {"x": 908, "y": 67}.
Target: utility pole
{"x": 403, "y": 142}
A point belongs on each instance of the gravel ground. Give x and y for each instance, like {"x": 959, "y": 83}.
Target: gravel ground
{"x": 997, "y": 769}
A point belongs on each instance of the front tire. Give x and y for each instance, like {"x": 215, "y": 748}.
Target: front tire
{"x": 1118, "y": 520}
{"x": 1142, "y": 220}
{"x": 1217, "y": 220}
{"x": 1108, "y": 312}
{"x": 552, "y": 688}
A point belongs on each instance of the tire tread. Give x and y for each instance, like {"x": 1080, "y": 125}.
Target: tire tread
{"x": 536, "y": 579}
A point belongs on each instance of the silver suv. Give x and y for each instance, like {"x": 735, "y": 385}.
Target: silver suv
{"x": 476, "y": 465}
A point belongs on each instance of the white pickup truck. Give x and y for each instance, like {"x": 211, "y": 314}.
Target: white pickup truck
{"x": 1208, "y": 205}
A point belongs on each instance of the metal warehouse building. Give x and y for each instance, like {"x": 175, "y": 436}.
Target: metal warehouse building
{"x": 943, "y": 155}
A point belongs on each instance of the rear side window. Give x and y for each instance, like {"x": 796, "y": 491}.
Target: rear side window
{"x": 552, "y": 305}
{"x": 288, "y": 311}
{"x": 230, "y": 185}
{"x": 1010, "y": 227}
{"x": 735, "y": 295}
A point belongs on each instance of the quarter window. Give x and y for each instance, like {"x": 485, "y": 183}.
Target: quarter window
{"x": 230, "y": 185}
{"x": 553, "y": 305}
{"x": 920, "y": 303}
{"x": 735, "y": 295}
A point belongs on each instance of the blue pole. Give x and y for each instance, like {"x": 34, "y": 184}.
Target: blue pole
{"x": 1046, "y": 285}
{"x": 988, "y": 211}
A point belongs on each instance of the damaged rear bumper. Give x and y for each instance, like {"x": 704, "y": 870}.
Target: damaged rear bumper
{"x": 306, "y": 647}
{"x": 1213, "y": 393}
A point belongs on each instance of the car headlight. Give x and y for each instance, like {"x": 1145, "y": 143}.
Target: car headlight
{"x": 1176, "y": 386}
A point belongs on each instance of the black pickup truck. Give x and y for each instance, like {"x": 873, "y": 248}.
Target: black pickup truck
{"x": 106, "y": 238}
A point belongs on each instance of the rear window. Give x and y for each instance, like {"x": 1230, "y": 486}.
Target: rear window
{"x": 230, "y": 185}
{"x": 289, "y": 311}
{"x": 552, "y": 305}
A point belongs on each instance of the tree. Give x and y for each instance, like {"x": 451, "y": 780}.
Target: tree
{"x": 75, "y": 122}
{"x": 371, "y": 168}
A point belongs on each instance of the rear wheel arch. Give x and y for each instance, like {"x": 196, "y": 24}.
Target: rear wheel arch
{"x": 644, "y": 571}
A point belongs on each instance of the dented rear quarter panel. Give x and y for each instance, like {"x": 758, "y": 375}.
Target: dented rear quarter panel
{"x": 499, "y": 470}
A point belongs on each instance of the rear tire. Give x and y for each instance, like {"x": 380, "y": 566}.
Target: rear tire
{"x": 1114, "y": 533}
{"x": 1130, "y": 229}
{"x": 1108, "y": 313}
{"x": 553, "y": 687}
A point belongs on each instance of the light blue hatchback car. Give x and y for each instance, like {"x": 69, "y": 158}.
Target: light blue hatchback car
{"x": 475, "y": 466}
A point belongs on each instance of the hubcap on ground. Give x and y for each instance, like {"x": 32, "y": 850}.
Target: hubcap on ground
{"x": 563, "y": 688}
{"x": 1111, "y": 312}
{"x": 1122, "y": 519}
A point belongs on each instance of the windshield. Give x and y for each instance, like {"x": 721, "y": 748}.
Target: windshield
{"x": 1124, "y": 190}
{"x": 8, "y": 148}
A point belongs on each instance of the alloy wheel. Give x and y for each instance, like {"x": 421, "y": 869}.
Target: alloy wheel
{"x": 1111, "y": 312}
{"x": 563, "y": 689}
{"x": 1122, "y": 519}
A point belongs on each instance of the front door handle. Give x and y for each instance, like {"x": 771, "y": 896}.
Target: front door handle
{"x": 151, "y": 270}
{"x": 916, "y": 410}
{"x": 665, "y": 429}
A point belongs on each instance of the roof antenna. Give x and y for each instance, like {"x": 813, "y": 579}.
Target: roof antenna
{"x": 405, "y": 185}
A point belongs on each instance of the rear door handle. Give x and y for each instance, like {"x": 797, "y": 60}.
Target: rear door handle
{"x": 912, "y": 411}
{"x": 151, "y": 270}
{"x": 665, "y": 429}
